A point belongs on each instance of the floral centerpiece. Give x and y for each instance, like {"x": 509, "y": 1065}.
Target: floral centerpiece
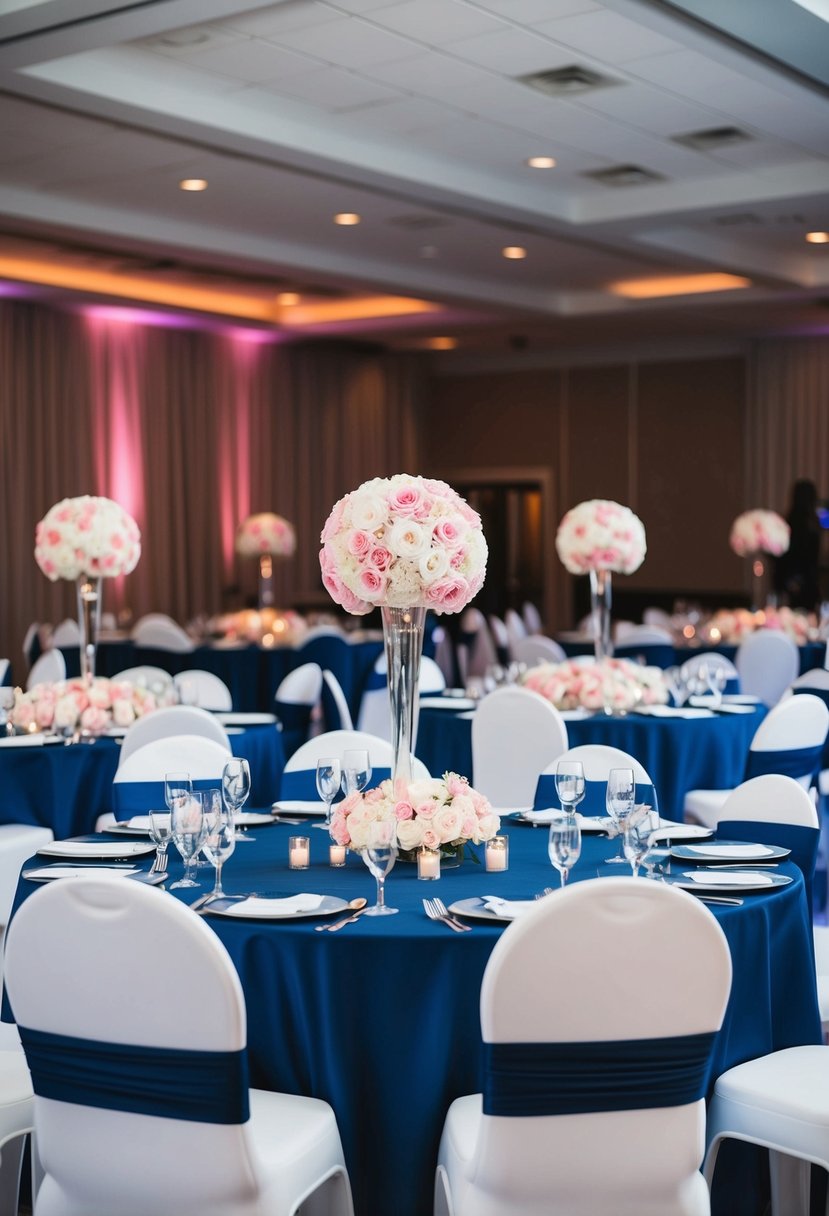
{"x": 599, "y": 537}
{"x": 87, "y": 539}
{"x": 735, "y": 625}
{"x": 434, "y": 813}
{"x": 268, "y": 628}
{"x": 755, "y": 532}
{"x": 614, "y": 685}
{"x": 82, "y": 705}
{"x": 265, "y": 536}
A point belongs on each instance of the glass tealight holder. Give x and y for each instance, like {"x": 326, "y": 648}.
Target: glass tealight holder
{"x": 336, "y": 855}
{"x": 497, "y": 854}
{"x": 299, "y": 852}
{"x": 428, "y": 864}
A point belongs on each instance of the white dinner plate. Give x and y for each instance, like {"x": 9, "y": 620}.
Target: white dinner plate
{"x": 51, "y": 872}
{"x": 139, "y": 825}
{"x": 116, "y": 732}
{"x": 740, "y": 698}
{"x": 731, "y": 882}
{"x": 33, "y": 740}
{"x": 456, "y": 704}
{"x": 253, "y": 819}
{"x": 240, "y": 719}
{"x": 729, "y": 851}
{"x": 96, "y": 850}
{"x": 277, "y": 906}
{"x": 474, "y": 909}
{"x": 298, "y": 807}
{"x": 683, "y": 831}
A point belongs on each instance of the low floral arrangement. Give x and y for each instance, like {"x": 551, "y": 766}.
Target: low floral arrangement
{"x": 265, "y": 533}
{"x": 91, "y": 536}
{"x": 77, "y": 705}
{"x": 759, "y": 531}
{"x": 268, "y": 627}
{"x": 434, "y": 813}
{"x": 403, "y": 542}
{"x": 732, "y": 627}
{"x": 601, "y": 535}
{"x": 615, "y": 684}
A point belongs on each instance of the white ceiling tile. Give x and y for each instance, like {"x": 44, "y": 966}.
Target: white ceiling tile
{"x": 758, "y": 154}
{"x": 252, "y": 61}
{"x": 512, "y": 52}
{"x": 278, "y": 18}
{"x": 349, "y": 42}
{"x": 606, "y": 35}
{"x": 402, "y": 117}
{"x": 436, "y": 22}
{"x": 654, "y": 110}
{"x": 358, "y": 6}
{"x": 435, "y": 76}
{"x": 528, "y": 12}
{"x": 333, "y": 89}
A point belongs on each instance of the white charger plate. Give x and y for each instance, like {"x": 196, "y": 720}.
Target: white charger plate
{"x": 730, "y": 851}
{"x": 732, "y": 882}
{"x": 245, "y": 719}
{"x": 252, "y": 907}
{"x": 55, "y": 871}
{"x": 96, "y": 850}
{"x": 474, "y": 909}
{"x": 298, "y": 807}
{"x": 253, "y": 819}
{"x": 456, "y": 704}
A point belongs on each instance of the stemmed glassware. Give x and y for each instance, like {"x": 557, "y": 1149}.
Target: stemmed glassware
{"x": 160, "y": 834}
{"x": 219, "y": 837}
{"x": 329, "y": 777}
{"x": 639, "y": 833}
{"x": 6, "y": 706}
{"x": 620, "y": 800}
{"x": 380, "y": 853}
{"x": 235, "y": 791}
{"x": 564, "y": 844}
{"x": 356, "y": 770}
{"x": 569, "y": 784}
{"x": 187, "y": 822}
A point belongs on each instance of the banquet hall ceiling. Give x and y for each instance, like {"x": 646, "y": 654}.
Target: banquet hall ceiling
{"x": 681, "y": 149}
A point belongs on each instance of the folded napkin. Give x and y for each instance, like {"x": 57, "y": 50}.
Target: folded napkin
{"x": 509, "y": 909}
{"x": 44, "y": 872}
{"x": 730, "y": 878}
{"x": 33, "y": 740}
{"x": 732, "y": 852}
{"x": 257, "y": 905}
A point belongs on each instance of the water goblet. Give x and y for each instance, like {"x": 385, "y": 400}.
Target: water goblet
{"x": 6, "y": 706}
{"x": 160, "y": 834}
{"x": 619, "y": 800}
{"x": 380, "y": 853}
{"x": 569, "y": 784}
{"x": 187, "y": 822}
{"x": 235, "y": 791}
{"x": 356, "y": 770}
{"x": 176, "y": 785}
{"x": 639, "y": 835}
{"x": 564, "y": 843}
{"x": 329, "y": 777}
{"x": 219, "y": 837}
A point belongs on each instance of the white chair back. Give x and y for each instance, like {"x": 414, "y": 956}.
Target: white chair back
{"x": 500, "y": 635}
{"x": 597, "y": 759}
{"x": 658, "y": 617}
{"x": 302, "y": 686}
{"x": 537, "y": 649}
{"x": 771, "y": 798}
{"x": 67, "y": 633}
{"x": 767, "y": 662}
{"x": 713, "y": 661}
{"x": 171, "y": 721}
{"x": 204, "y": 759}
{"x": 794, "y": 723}
{"x": 323, "y": 631}
{"x": 4, "y": 667}
{"x": 146, "y": 676}
{"x": 516, "y": 629}
{"x": 335, "y": 742}
{"x": 478, "y": 652}
{"x": 374, "y": 716}
{"x": 644, "y": 635}
{"x": 50, "y": 667}
{"x": 335, "y": 691}
{"x": 817, "y": 678}
{"x": 532, "y": 618}
{"x": 431, "y": 679}
{"x": 162, "y": 634}
{"x": 204, "y": 689}
{"x": 515, "y": 734}
{"x": 445, "y": 653}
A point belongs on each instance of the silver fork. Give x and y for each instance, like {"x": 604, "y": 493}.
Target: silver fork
{"x": 159, "y": 866}
{"x": 435, "y": 909}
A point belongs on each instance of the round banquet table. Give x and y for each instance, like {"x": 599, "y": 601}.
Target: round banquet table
{"x": 680, "y": 754}
{"x": 67, "y": 788}
{"x": 382, "y": 1020}
{"x": 811, "y": 654}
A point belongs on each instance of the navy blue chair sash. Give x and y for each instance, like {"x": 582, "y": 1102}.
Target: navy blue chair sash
{"x": 197, "y": 1086}
{"x": 375, "y": 680}
{"x": 802, "y": 840}
{"x": 823, "y": 693}
{"x": 295, "y": 721}
{"x": 300, "y": 785}
{"x": 525, "y": 1079}
{"x": 788, "y": 762}
{"x": 593, "y": 802}
{"x": 138, "y": 797}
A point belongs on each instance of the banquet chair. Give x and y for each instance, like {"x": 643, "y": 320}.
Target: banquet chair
{"x": 296, "y": 698}
{"x": 597, "y": 759}
{"x": 5, "y": 672}
{"x": 67, "y": 633}
{"x": 516, "y": 629}
{"x": 33, "y": 642}
{"x": 145, "y": 676}
{"x": 767, "y": 662}
{"x": 138, "y": 784}
{"x": 374, "y": 716}
{"x": 789, "y": 740}
{"x": 532, "y": 618}
{"x": 476, "y": 649}
{"x": 563, "y": 1076}
{"x": 49, "y": 668}
{"x": 142, "y": 1102}
{"x": 821, "y": 939}
{"x": 162, "y": 634}
{"x": 714, "y": 662}
{"x": 658, "y": 617}
{"x": 335, "y": 712}
{"x": 445, "y": 654}
{"x": 17, "y": 842}
{"x": 172, "y": 720}
{"x": 206, "y": 690}
{"x": 299, "y": 776}
{"x": 515, "y": 734}
{"x": 501, "y": 638}
{"x": 816, "y": 682}
{"x": 537, "y": 649}
{"x": 17, "y": 1108}
{"x": 646, "y": 642}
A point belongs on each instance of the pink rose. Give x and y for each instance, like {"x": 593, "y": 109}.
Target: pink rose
{"x": 380, "y": 558}
{"x": 372, "y": 583}
{"x": 448, "y": 594}
{"x": 446, "y": 532}
{"x": 359, "y": 543}
{"x": 456, "y": 786}
{"x": 94, "y": 719}
{"x": 426, "y": 809}
{"x": 408, "y": 501}
{"x": 430, "y": 839}
{"x": 403, "y": 810}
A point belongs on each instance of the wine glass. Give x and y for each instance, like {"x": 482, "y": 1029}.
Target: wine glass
{"x": 187, "y": 822}
{"x": 160, "y": 834}
{"x": 356, "y": 770}
{"x": 219, "y": 837}
{"x": 235, "y": 790}
{"x": 176, "y": 785}
{"x": 639, "y": 832}
{"x": 329, "y": 777}
{"x": 6, "y": 706}
{"x": 380, "y": 853}
{"x": 619, "y": 800}
{"x": 569, "y": 784}
{"x": 564, "y": 844}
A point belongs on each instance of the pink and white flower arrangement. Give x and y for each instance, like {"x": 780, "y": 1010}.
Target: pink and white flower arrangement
{"x": 734, "y": 626}
{"x": 71, "y": 705}
{"x": 87, "y": 535}
{"x": 615, "y": 684}
{"x": 601, "y": 535}
{"x": 265, "y": 533}
{"x": 759, "y": 531}
{"x": 431, "y": 813}
{"x": 403, "y": 542}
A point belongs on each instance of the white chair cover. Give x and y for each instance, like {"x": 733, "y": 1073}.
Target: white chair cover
{"x": 537, "y": 649}
{"x": 206, "y": 689}
{"x": 515, "y": 734}
{"x": 478, "y": 648}
{"x": 532, "y": 618}
{"x": 146, "y": 676}
{"x": 49, "y": 668}
{"x": 173, "y": 720}
{"x": 302, "y": 686}
{"x": 516, "y": 629}
{"x": 335, "y": 742}
{"x": 340, "y": 704}
{"x": 67, "y": 633}
{"x": 767, "y": 662}
{"x": 162, "y": 634}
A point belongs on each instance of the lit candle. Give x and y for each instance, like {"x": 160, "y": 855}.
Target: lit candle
{"x": 497, "y": 853}
{"x": 336, "y": 855}
{"x": 299, "y": 852}
{"x": 428, "y": 863}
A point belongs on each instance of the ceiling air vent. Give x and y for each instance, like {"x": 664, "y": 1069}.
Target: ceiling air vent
{"x": 738, "y": 219}
{"x": 418, "y": 223}
{"x": 712, "y": 139}
{"x": 625, "y": 175}
{"x": 564, "y": 82}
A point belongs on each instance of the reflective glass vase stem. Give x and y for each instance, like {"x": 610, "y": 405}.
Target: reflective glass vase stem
{"x": 266, "y": 593}
{"x": 403, "y": 637}
{"x": 89, "y": 622}
{"x": 600, "y": 600}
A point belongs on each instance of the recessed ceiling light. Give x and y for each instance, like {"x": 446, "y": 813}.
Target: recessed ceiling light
{"x": 677, "y": 285}
{"x": 817, "y": 238}
{"x": 193, "y": 183}
{"x": 443, "y": 343}
{"x": 541, "y": 162}
{"x": 347, "y": 218}
{"x": 287, "y": 298}
{"x": 514, "y": 252}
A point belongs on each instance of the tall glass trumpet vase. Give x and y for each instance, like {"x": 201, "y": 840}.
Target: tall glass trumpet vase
{"x": 89, "y": 622}
{"x": 266, "y": 593}
{"x": 403, "y": 638}
{"x": 600, "y": 602}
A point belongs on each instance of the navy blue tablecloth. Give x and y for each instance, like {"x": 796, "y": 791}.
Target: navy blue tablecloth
{"x": 680, "y": 754}
{"x": 382, "y": 1019}
{"x": 812, "y": 654}
{"x": 67, "y": 788}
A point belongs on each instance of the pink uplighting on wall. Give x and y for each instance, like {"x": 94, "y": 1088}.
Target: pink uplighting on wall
{"x": 235, "y": 441}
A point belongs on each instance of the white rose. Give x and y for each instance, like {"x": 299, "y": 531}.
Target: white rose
{"x": 447, "y": 822}
{"x": 66, "y": 713}
{"x": 428, "y": 787}
{"x": 123, "y": 713}
{"x": 488, "y": 826}
{"x": 409, "y": 833}
{"x": 368, "y": 512}
{"x": 433, "y": 565}
{"x": 408, "y": 539}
